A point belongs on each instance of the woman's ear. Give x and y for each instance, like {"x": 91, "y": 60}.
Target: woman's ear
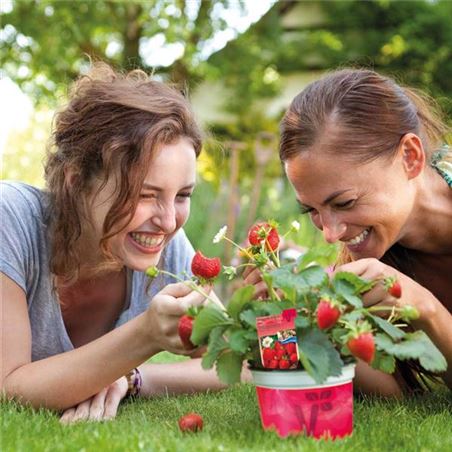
{"x": 413, "y": 155}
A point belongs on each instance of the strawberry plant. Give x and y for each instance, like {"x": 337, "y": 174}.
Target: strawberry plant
{"x": 332, "y": 327}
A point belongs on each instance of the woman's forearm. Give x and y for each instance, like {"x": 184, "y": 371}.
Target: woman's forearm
{"x": 64, "y": 380}
{"x": 182, "y": 377}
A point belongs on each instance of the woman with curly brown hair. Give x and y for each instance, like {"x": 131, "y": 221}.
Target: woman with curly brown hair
{"x": 78, "y": 313}
{"x": 368, "y": 163}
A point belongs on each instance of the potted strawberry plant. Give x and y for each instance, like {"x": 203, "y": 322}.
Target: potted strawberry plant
{"x": 301, "y": 341}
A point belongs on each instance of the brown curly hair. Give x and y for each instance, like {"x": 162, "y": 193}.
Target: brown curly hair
{"x": 112, "y": 125}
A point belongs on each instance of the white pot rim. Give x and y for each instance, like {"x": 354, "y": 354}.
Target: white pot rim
{"x": 299, "y": 379}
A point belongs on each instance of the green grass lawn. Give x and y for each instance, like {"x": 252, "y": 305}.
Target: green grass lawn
{"x": 231, "y": 422}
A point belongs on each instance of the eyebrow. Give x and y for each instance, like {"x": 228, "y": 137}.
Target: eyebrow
{"x": 155, "y": 188}
{"x": 327, "y": 200}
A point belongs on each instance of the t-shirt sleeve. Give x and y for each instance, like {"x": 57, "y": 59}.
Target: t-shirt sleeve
{"x": 18, "y": 235}
{"x": 180, "y": 255}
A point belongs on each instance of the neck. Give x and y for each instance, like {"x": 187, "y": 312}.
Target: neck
{"x": 429, "y": 228}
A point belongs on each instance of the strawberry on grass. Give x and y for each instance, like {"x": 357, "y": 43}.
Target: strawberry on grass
{"x": 191, "y": 422}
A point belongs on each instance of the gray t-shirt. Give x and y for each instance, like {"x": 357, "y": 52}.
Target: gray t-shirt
{"x": 24, "y": 257}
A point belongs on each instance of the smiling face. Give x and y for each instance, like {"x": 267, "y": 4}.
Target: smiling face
{"x": 163, "y": 207}
{"x": 365, "y": 206}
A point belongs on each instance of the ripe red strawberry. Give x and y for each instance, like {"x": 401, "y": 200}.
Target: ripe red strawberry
{"x": 268, "y": 354}
{"x": 185, "y": 327}
{"x": 273, "y": 364}
{"x": 327, "y": 314}
{"x": 204, "y": 267}
{"x": 291, "y": 347}
{"x": 395, "y": 290}
{"x": 278, "y": 346}
{"x": 191, "y": 422}
{"x": 284, "y": 364}
{"x": 362, "y": 346}
{"x": 264, "y": 231}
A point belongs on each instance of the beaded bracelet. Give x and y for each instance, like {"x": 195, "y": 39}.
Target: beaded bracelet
{"x": 134, "y": 383}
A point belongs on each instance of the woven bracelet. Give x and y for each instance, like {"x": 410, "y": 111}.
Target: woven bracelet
{"x": 134, "y": 383}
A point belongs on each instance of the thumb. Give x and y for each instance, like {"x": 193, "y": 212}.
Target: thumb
{"x": 176, "y": 290}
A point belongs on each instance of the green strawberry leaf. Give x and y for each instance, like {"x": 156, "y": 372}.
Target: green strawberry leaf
{"x": 307, "y": 279}
{"x": 209, "y": 318}
{"x": 415, "y": 345}
{"x": 431, "y": 359}
{"x": 239, "y": 300}
{"x": 322, "y": 255}
{"x": 391, "y": 330}
{"x": 238, "y": 341}
{"x": 216, "y": 345}
{"x": 302, "y": 322}
{"x": 320, "y": 358}
{"x": 229, "y": 367}
{"x": 249, "y": 317}
{"x": 384, "y": 362}
{"x": 360, "y": 285}
{"x": 346, "y": 290}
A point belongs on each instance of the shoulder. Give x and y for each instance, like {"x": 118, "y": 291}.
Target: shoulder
{"x": 21, "y": 199}
{"x": 179, "y": 253}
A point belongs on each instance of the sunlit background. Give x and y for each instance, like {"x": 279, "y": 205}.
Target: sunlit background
{"x": 241, "y": 62}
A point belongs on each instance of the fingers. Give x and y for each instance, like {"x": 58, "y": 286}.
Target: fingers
{"x": 253, "y": 277}
{"x": 176, "y": 290}
{"x": 103, "y": 406}
{"x": 67, "y": 416}
{"x": 96, "y": 410}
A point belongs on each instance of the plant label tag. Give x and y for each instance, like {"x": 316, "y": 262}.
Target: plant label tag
{"x": 278, "y": 340}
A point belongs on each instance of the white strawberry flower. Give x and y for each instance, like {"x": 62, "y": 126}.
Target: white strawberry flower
{"x": 295, "y": 226}
{"x": 220, "y": 235}
{"x": 267, "y": 341}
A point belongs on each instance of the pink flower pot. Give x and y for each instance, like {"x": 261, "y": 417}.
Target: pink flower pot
{"x": 292, "y": 403}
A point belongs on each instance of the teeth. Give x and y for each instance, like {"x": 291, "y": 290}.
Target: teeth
{"x": 146, "y": 240}
{"x": 359, "y": 238}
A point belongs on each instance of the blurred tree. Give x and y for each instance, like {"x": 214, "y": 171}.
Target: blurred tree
{"x": 46, "y": 42}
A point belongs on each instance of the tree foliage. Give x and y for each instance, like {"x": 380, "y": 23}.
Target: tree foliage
{"x": 47, "y": 42}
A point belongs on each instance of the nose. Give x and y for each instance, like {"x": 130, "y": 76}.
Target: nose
{"x": 332, "y": 228}
{"x": 165, "y": 218}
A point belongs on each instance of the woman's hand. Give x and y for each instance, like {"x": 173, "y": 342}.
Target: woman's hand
{"x": 101, "y": 407}
{"x": 252, "y": 276}
{"x": 412, "y": 293}
{"x": 164, "y": 312}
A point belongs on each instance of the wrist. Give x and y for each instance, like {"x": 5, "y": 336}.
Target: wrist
{"x": 428, "y": 309}
{"x": 145, "y": 333}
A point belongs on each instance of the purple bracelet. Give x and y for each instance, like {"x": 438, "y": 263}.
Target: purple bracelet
{"x": 134, "y": 382}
